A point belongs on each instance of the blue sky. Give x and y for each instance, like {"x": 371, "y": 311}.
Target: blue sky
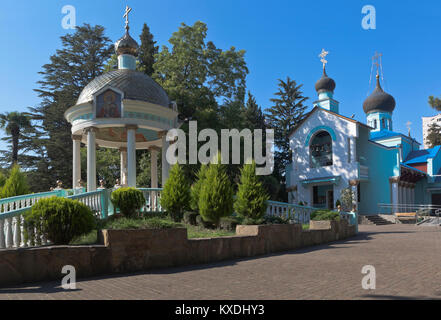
{"x": 281, "y": 38}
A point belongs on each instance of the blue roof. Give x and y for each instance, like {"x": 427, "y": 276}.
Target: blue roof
{"x": 384, "y": 134}
{"x": 421, "y": 156}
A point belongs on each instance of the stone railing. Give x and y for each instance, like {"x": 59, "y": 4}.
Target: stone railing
{"x": 152, "y": 197}
{"x": 12, "y": 232}
{"x": 12, "y": 226}
{"x": 292, "y": 212}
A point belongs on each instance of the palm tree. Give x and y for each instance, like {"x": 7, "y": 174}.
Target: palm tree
{"x": 13, "y": 123}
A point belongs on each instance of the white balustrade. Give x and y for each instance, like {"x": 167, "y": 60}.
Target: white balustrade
{"x": 292, "y": 212}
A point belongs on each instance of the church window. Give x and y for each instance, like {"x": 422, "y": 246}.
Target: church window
{"x": 321, "y": 150}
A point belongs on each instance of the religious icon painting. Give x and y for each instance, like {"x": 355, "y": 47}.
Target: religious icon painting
{"x": 108, "y": 104}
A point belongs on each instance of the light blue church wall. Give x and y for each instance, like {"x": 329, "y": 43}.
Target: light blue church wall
{"x": 383, "y": 164}
{"x": 436, "y": 164}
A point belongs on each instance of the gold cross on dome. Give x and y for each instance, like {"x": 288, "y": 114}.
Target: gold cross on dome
{"x": 126, "y": 15}
{"x": 323, "y": 55}
{"x": 376, "y": 61}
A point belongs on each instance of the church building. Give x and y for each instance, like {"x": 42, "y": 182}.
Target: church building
{"x": 383, "y": 168}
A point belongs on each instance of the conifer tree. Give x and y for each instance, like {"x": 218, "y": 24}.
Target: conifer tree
{"x": 286, "y": 113}
{"x": 434, "y": 135}
{"x": 147, "y": 51}
{"x": 80, "y": 60}
{"x": 216, "y": 197}
{"x": 175, "y": 197}
{"x": 16, "y": 184}
{"x": 197, "y": 186}
{"x": 251, "y": 201}
{"x": 254, "y": 118}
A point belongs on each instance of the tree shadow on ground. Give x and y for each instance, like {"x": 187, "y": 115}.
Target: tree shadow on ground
{"x": 47, "y": 288}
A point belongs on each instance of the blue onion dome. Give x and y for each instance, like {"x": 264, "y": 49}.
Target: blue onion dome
{"x": 325, "y": 84}
{"x": 126, "y": 45}
{"x": 379, "y": 101}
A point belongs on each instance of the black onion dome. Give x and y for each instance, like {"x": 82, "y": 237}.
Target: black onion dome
{"x": 126, "y": 45}
{"x": 379, "y": 101}
{"x": 135, "y": 85}
{"x": 325, "y": 84}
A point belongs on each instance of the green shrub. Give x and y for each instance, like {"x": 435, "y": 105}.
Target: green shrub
{"x": 325, "y": 215}
{"x": 251, "y": 201}
{"x": 2, "y": 180}
{"x": 204, "y": 224}
{"x": 216, "y": 197}
{"x": 16, "y": 184}
{"x": 60, "y": 220}
{"x": 275, "y": 220}
{"x": 128, "y": 200}
{"x": 190, "y": 218}
{"x": 175, "y": 197}
{"x": 229, "y": 223}
{"x": 196, "y": 188}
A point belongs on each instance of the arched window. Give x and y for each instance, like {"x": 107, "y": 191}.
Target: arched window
{"x": 321, "y": 150}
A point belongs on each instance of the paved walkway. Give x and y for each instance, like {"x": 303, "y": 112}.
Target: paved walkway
{"x": 407, "y": 259}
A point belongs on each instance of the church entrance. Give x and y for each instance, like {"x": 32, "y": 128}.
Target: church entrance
{"x": 323, "y": 196}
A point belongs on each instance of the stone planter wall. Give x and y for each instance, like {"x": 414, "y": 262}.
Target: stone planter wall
{"x": 136, "y": 250}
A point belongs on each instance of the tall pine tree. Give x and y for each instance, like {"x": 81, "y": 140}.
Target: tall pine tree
{"x": 286, "y": 113}
{"x": 253, "y": 115}
{"x": 81, "y": 59}
{"x": 147, "y": 51}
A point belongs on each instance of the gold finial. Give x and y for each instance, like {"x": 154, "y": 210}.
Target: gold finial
{"x": 323, "y": 55}
{"x": 126, "y": 15}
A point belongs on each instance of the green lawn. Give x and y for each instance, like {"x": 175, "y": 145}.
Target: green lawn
{"x": 122, "y": 223}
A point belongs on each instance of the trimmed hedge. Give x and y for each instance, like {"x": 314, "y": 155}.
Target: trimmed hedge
{"x": 128, "y": 200}
{"x": 320, "y": 215}
{"x": 60, "y": 220}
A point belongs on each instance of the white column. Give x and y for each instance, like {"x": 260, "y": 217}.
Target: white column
{"x": 165, "y": 164}
{"x": 131, "y": 155}
{"x": 76, "y": 165}
{"x": 154, "y": 167}
{"x": 395, "y": 194}
{"x": 91, "y": 159}
{"x": 123, "y": 166}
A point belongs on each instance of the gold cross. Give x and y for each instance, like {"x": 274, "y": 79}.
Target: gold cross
{"x": 323, "y": 55}
{"x": 126, "y": 15}
{"x": 376, "y": 61}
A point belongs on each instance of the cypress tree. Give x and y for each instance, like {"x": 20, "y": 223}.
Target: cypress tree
{"x": 216, "y": 197}
{"x": 147, "y": 51}
{"x": 197, "y": 187}
{"x": 251, "y": 201}
{"x": 16, "y": 184}
{"x": 175, "y": 197}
